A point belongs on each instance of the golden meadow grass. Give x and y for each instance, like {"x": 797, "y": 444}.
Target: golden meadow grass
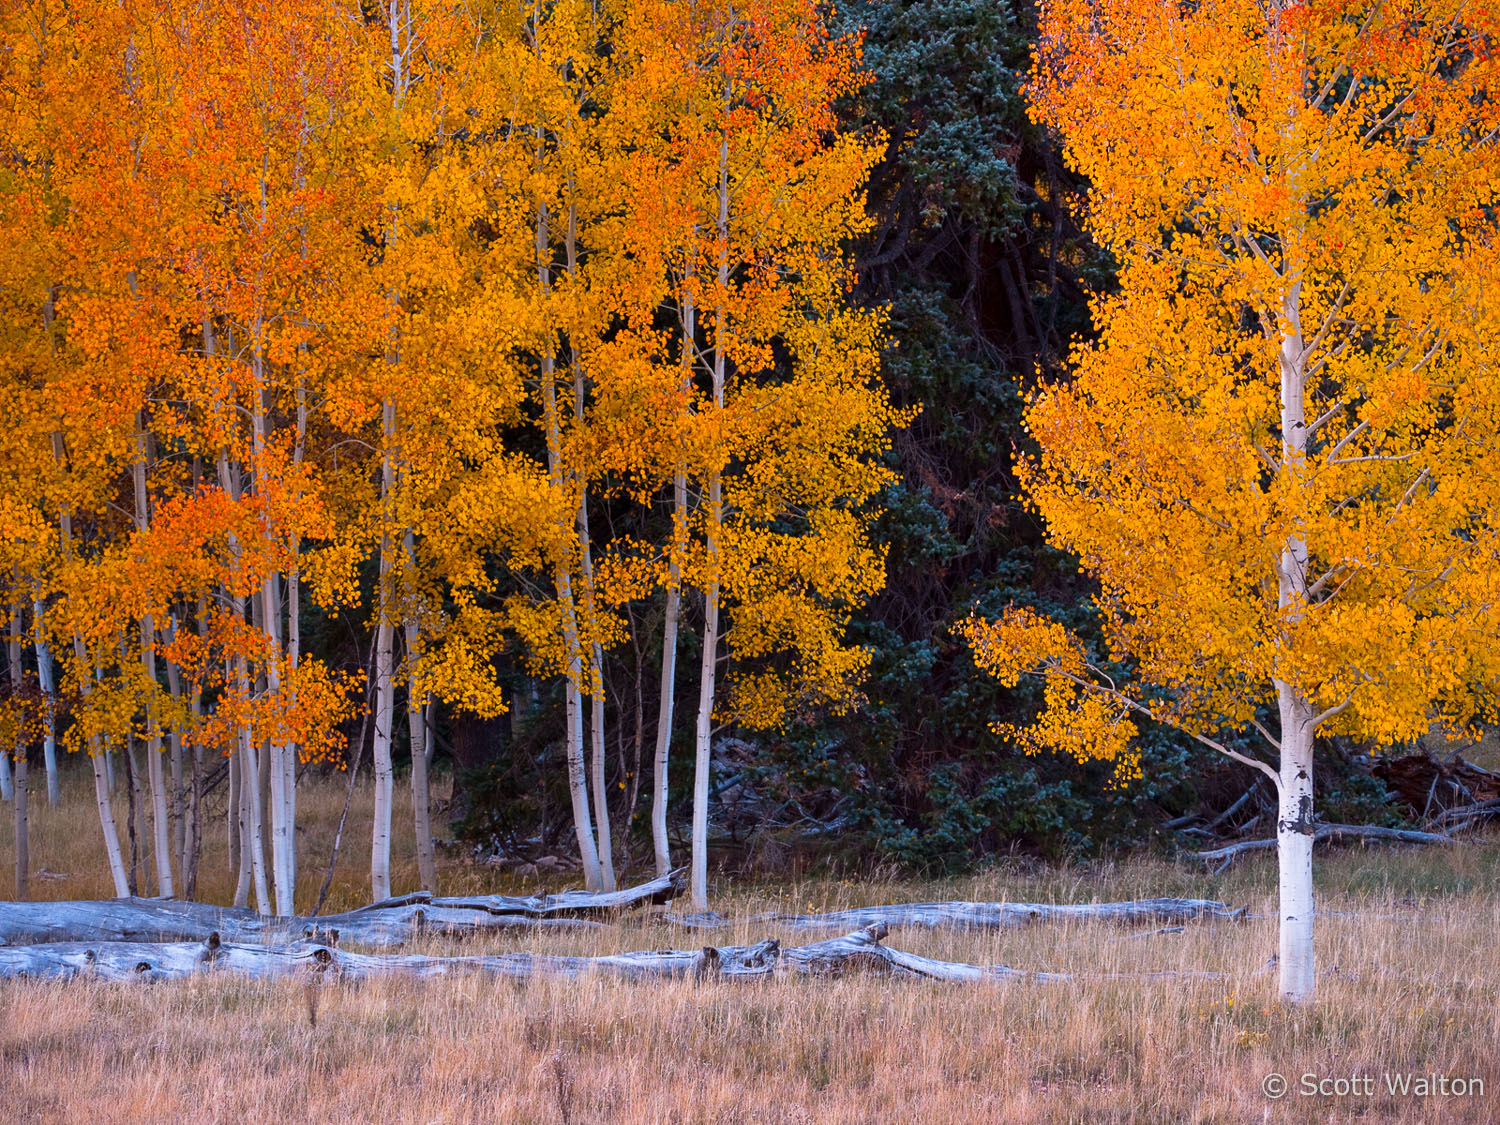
{"x": 1405, "y": 947}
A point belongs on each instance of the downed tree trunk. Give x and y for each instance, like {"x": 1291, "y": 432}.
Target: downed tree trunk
{"x": 979, "y": 915}
{"x": 1426, "y": 785}
{"x": 1333, "y": 832}
{"x": 857, "y": 952}
{"x": 383, "y": 924}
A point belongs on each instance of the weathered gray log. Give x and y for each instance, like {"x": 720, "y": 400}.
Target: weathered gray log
{"x": 860, "y": 951}
{"x": 977, "y": 915}
{"x": 383, "y": 924}
{"x": 1334, "y": 832}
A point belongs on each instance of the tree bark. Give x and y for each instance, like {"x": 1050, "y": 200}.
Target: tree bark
{"x": 107, "y": 818}
{"x": 161, "y": 844}
{"x": 46, "y": 679}
{"x": 577, "y": 776}
{"x": 859, "y": 952}
{"x": 659, "y": 840}
{"x": 980, "y": 915}
{"x": 383, "y": 924}
{"x": 420, "y": 795}
{"x": 1294, "y": 828}
{"x": 385, "y": 686}
{"x": 703, "y": 750}
{"x": 21, "y": 795}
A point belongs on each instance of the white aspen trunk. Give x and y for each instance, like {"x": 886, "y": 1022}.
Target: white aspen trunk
{"x": 21, "y": 809}
{"x": 236, "y": 821}
{"x": 283, "y": 835}
{"x": 703, "y": 749}
{"x": 420, "y": 795}
{"x": 1294, "y": 828}
{"x": 659, "y": 778}
{"x": 1294, "y": 847}
{"x": 161, "y": 845}
{"x": 293, "y": 656}
{"x": 659, "y": 840}
{"x": 7, "y": 783}
{"x": 107, "y": 820}
{"x": 385, "y": 687}
{"x": 179, "y": 795}
{"x": 596, "y": 693}
{"x": 577, "y": 776}
{"x": 273, "y": 765}
{"x": 98, "y": 760}
{"x": 417, "y": 727}
{"x": 250, "y": 791}
{"x": 590, "y": 609}
{"x": 46, "y": 679}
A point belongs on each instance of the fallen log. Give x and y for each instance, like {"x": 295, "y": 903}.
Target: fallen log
{"x": 977, "y": 915}
{"x": 384, "y": 924}
{"x": 857, "y": 952}
{"x": 1333, "y": 832}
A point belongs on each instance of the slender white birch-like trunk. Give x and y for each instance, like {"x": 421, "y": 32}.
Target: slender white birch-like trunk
{"x": 385, "y": 686}
{"x": 289, "y": 756}
{"x": 47, "y": 679}
{"x": 590, "y": 609}
{"x": 1294, "y": 826}
{"x": 101, "y": 784}
{"x": 21, "y": 809}
{"x": 659, "y": 778}
{"x": 250, "y": 792}
{"x": 703, "y": 748}
{"x": 179, "y": 796}
{"x": 420, "y": 795}
{"x": 578, "y": 793}
{"x": 107, "y": 819}
{"x": 161, "y": 847}
{"x": 7, "y": 782}
{"x": 660, "y": 844}
{"x": 97, "y": 759}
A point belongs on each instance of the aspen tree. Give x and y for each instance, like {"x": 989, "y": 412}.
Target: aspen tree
{"x": 1280, "y": 460}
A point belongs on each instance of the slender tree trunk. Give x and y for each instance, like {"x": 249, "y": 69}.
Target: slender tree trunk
{"x": 254, "y": 818}
{"x": 293, "y": 657}
{"x": 161, "y": 848}
{"x": 590, "y": 609}
{"x": 237, "y": 820}
{"x": 46, "y": 679}
{"x": 668, "y": 685}
{"x": 420, "y": 796}
{"x": 596, "y": 695}
{"x": 1294, "y": 846}
{"x": 385, "y": 685}
{"x": 195, "y": 825}
{"x": 7, "y": 783}
{"x": 107, "y": 819}
{"x": 703, "y": 749}
{"x": 179, "y": 794}
{"x": 577, "y": 776}
{"x": 1294, "y": 828}
{"x": 669, "y": 630}
{"x": 22, "y": 833}
{"x": 283, "y": 831}
{"x": 134, "y": 815}
{"x": 161, "y": 845}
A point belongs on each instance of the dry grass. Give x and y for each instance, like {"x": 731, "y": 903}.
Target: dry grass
{"x": 1410, "y": 933}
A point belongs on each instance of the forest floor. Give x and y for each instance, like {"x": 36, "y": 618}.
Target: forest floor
{"x": 1408, "y": 989}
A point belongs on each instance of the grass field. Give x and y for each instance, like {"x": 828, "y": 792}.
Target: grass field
{"x": 1405, "y": 945}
